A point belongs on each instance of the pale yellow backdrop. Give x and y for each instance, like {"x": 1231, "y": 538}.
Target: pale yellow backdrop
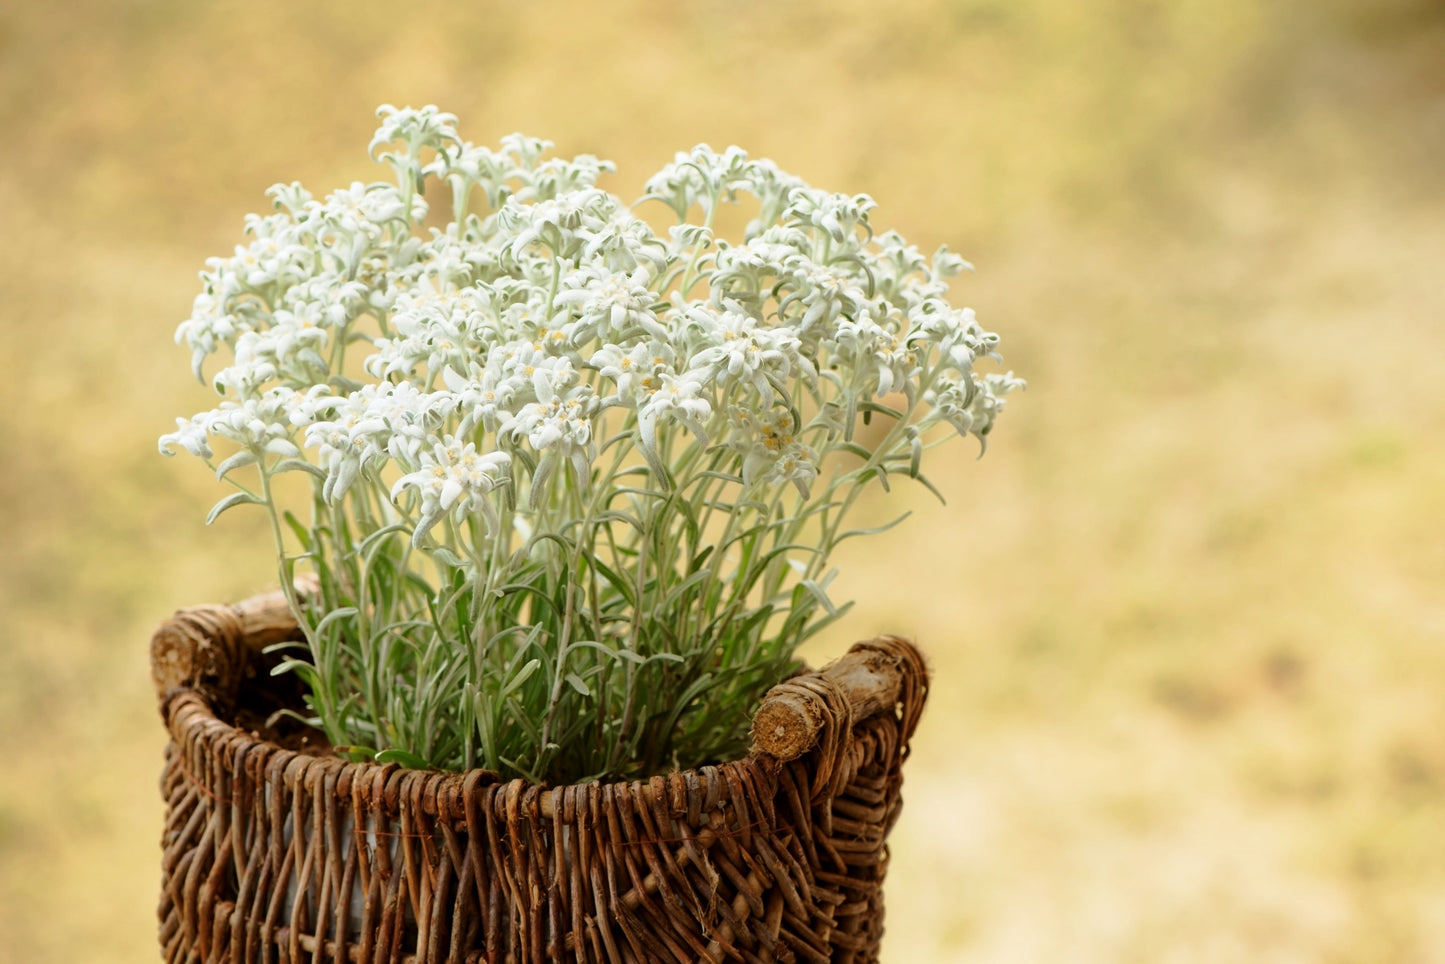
{"x": 1186, "y": 617}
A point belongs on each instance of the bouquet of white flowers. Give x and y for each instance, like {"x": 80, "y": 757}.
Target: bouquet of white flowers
{"x": 574, "y": 483}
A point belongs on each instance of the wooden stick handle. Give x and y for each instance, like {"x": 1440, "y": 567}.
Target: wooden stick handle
{"x": 268, "y": 619}
{"x": 209, "y": 647}
{"x": 867, "y": 680}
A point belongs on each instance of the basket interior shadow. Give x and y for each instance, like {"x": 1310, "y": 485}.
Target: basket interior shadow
{"x": 274, "y": 853}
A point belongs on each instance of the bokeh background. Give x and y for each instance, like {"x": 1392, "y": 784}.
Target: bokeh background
{"x": 1186, "y": 617}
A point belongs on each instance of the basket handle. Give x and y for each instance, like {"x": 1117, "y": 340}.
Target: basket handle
{"x": 208, "y": 648}
{"x": 886, "y": 674}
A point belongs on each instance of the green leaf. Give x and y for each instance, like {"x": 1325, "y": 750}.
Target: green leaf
{"x": 932, "y": 488}
{"x": 577, "y": 684}
{"x": 820, "y": 594}
{"x": 875, "y": 530}
{"x": 524, "y": 674}
{"x": 303, "y": 533}
{"x": 698, "y": 687}
{"x": 871, "y": 407}
{"x": 372, "y": 539}
{"x": 723, "y": 476}
{"x": 334, "y": 616}
{"x": 241, "y": 459}
{"x": 302, "y": 668}
{"x": 356, "y": 754}
{"x": 230, "y": 501}
{"x": 447, "y": 558}
{"x": 617, "y": 582}
{"x": 299, "y": 465}
{"x": 409, "y": 760}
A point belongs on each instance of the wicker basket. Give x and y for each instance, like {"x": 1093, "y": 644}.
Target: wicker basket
{"x": 279, "y": 854}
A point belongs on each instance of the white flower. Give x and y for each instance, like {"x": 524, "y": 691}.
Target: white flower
{"x": 556, "y": 222}
{"x": 361, "y": 212}
{"x": 625, "y": 244}
{"x": 701, "y": 175}
{"x": 350, "y": 437}
{"x": 260, "y": 425}
{"x": 190, "y": 434}
{"x": 409, "y": 415}
{"x": 210, "y": 326}
{"x": 679, "y": 397}
{"x": 955, "y": 331}
{"x": 771, "y": 451}
{"x": 435, "y": 330}
{"x": 555, "y": 177}
{"x": 797, "y": 464}
{"x": 742, "y": 351}
{"x": 881, "y": 361}
{"x": 631, "y": 369}
{"x": 326, "y": 301}
{"x": 481, "y": 397}
{"x": 613, "y": 303}
{"x": 290, "y": 350}
{"x": 418, "y": 127}
{"x": 271, "y": 259}
{"x": 453, "y": 479}
{"x": 560, "y": 430}
{"x": 970, "y": 403}
{"x": 823, "y": 293}
{"x": 839, "y": 215}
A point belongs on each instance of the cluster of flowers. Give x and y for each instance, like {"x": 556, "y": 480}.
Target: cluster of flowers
{"x": 499, "y": 343}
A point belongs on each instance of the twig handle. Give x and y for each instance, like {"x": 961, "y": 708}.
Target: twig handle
{"x": 869, "y": 679}
{"x": 208, "y": 647}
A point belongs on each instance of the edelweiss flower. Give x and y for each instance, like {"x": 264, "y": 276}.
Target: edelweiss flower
{"x": 628, "y": 369}
{"x": 743, "y": 352}
{"x": 482, "y": 398}
{"x": 956, "y": 332}
{"x": 970, "y": 403}
{"x": 190, "y": 434}
{"x": 454, "y": 479}
{"x": 523, "y": 325}
{"x": 614, "y": 303}
{"x": 838, "y": 214}
{"x": 677, "y": 397}
{"x": 824, "y": 293}
{"x": 796, "y": 463}
{"x": 560, "y": 430}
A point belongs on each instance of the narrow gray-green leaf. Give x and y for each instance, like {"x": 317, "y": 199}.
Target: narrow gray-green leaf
{"x": 299, "y": 465}
{"x": 523, "y": 674}
{"x": 333, "y": 616}
{"x": 820, "y": 594}
{"x": 230, "y": 501}
{"x": 240, "y": 460}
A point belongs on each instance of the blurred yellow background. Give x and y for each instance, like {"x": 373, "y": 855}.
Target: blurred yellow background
{"x": 1186, "y": 618}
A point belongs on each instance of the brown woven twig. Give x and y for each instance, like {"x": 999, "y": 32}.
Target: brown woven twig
{"x": 273, "y": 854}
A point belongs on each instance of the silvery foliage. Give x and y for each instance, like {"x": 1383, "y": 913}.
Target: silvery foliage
{"x": 480, "y": 378}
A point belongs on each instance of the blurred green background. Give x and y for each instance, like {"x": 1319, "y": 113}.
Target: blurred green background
{"x": 1186, "y": 618}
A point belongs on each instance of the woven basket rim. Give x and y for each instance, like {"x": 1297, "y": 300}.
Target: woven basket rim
{"x": 438, "y": 793}
{"x": 223, "y": 643}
